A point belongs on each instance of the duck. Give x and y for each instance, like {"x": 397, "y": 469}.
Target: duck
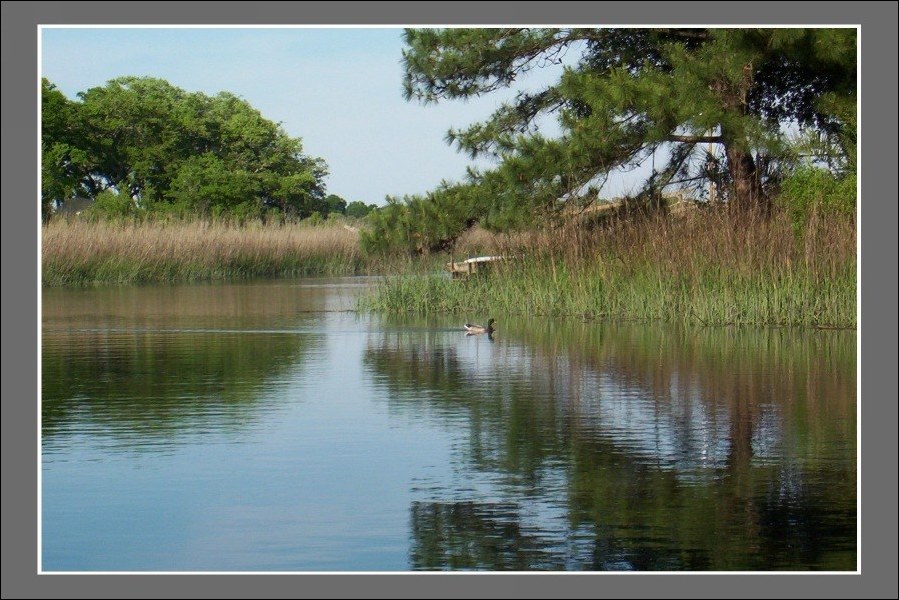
{"x": 475, "y": 329}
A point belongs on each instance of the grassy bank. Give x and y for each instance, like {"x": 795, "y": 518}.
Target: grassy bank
{"x": 702, "y": 268}
{"x": 706, "y": 268}
{"x": 80, "y": 252}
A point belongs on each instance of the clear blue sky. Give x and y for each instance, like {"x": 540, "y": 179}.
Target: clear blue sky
{"x": 340, "y": 90}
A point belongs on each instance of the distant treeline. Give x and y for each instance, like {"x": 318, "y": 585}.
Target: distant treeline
{"x": 139, "y": 145}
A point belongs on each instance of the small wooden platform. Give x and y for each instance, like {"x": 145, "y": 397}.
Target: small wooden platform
{"x": 471, "y": 265}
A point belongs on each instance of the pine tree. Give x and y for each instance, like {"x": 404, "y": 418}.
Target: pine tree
{"x": 626, "y": 93}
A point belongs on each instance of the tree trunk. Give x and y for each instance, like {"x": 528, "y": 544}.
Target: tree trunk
{"x": 747, "y": 188}
{"x": 747, "y": 192}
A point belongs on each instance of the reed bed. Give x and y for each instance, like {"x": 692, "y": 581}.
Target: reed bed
{"x": 706, "y": 268}
{"x": 80, "y": 252}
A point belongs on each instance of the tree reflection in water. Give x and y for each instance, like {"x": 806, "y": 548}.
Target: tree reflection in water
{"x": 611, "y": 447}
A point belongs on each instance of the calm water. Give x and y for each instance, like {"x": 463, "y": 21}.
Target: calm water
{"x": 260, "y": 427}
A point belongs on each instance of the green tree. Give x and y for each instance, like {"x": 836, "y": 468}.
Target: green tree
{"x": 64, "y": 162}
{"x": 335, "y": 204}
{"x": 166, "y": 148}
{"x": 359, "y": 210}
{"x": 133, "y": 136}
{"x": 428, "y": 223}
{"x": 626, "y": 94}
{"x": 205, "y": 181}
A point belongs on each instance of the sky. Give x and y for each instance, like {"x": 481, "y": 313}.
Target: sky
{"x": 338, "y": 89}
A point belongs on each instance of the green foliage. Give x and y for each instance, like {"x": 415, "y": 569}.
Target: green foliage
{"x": 702, "y": 269}
{"x": 359, "y": 210}
{"x": 247, "y": 211}
{"x": 64, "y": 162}
{"x": 205, "y": 181}
{"x": 421, "y": 224}
{"x": 334, "y": 204}
{"x": 174, "y": 151}
{"x": 644, "y": 293}
{"x": 112, "y": 206}
{"x": 625, "y": 95}
{"x": 835, "y": 145}
{"x": 815, "y": 191}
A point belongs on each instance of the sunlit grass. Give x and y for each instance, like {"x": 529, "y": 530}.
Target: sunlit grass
{"x": 80, "y": 252}
{"x": 703, "y": 268}
{"x": 706, "y": 268}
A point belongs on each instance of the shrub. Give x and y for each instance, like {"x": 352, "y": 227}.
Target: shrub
{"x": 811, "y": 190}
{"x": 111, "y": 205}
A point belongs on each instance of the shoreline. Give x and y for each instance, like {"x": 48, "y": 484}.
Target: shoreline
{"x": 705, "y": 269}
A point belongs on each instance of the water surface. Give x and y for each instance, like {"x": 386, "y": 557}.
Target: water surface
{"x": 264, "y": 427}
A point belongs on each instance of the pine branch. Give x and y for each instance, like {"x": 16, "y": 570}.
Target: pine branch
{"x": 695, "y": 139}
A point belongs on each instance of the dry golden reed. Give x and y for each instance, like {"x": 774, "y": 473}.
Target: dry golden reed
{"x": 80, "y": 252}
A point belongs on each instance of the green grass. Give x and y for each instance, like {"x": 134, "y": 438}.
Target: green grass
{"x": 705, "y": 269}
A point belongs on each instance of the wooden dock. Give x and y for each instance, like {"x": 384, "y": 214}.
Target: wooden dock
{"x": 472, "y": 265}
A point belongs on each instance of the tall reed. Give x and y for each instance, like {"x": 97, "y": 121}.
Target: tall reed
{"x": 80, "y": 252}
{"x": 711, "y": 268}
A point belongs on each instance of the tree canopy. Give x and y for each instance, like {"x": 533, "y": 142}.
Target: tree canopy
{"x": 167, "y": 149}
{"x": 626, "y": 95}
{"x": 358, "y": 210}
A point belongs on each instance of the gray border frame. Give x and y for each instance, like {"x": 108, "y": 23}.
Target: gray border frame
{"x": 878, "y": 323}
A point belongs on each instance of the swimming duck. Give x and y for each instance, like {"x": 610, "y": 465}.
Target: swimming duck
{"x": 474, "y": 329}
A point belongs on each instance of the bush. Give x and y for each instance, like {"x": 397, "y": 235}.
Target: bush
{"x": 811, "y": 190}
{"x": 111, "y": 205}
{"x": 358, "y": 210}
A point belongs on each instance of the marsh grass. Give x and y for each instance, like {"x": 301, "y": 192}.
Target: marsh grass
{"x": 80, "y": 252}
{"x": 707, "y": 268}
